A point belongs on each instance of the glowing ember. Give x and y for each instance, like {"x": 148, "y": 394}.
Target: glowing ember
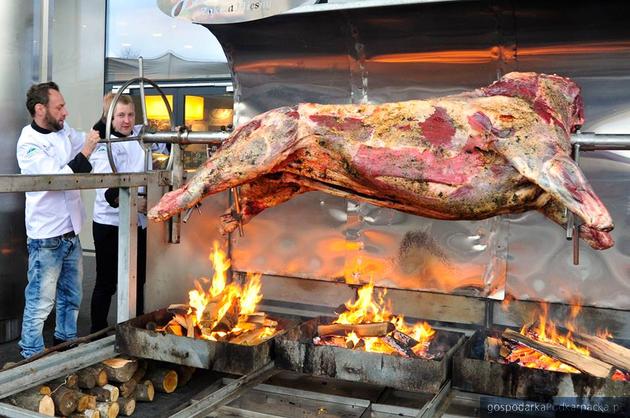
{"x": 225, "y": 311}
{"x": 396, "y": 337}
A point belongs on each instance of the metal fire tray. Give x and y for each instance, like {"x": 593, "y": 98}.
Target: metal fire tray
{"x": 472, "y": 373}
{"x": 133, "y": 338}
{"x": 296, "y": 351}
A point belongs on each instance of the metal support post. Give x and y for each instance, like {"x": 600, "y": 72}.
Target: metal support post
{"x": 127, "y": 253}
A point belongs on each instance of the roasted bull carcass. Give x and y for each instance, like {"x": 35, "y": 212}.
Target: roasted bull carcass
{"x": 220, "y": 328}
{"x": 500, "y": 149}
{"x": 544, "y": 359}
{"x": 367, "y": 343}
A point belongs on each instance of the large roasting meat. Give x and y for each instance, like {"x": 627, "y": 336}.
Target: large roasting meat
{"x": 500, "y": 149}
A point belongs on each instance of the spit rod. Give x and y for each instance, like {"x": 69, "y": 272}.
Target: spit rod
{"x": 600, "y": 142}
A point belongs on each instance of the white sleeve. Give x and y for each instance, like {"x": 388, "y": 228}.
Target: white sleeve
{"x": 33, "y": 159}
{"x": 77, "y": 139}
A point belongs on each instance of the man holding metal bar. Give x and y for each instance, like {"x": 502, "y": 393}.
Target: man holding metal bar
{"x": 128, "y": 156}
{"x": 53, "y": 218}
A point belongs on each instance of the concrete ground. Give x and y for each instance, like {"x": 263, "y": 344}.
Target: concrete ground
{"x": 10, "y": 351}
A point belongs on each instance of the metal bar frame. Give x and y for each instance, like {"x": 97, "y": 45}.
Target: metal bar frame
{"x": 226, "y": 394}
{"x": 55, "y": 365}
{"x": 127, "y": 253}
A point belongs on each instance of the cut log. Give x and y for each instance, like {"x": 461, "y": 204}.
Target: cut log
{"x": 127, "y": 388}
{"x": 184, "y": 374}
{"x": 85, "y": 401}
{"x": 164, "y": 380}
{"x": 190, "y": 327}
{"x": 248, "y": 338}
{"x": 181, "y": 320}
{"x": 585, "y": 364}
{"x": 106, "y": 393}
{"x": 32, "y": 400}
{"x": 400, "y": 348}
{"x": 120, "y": 369}
{"x": 229, "y": 319}
{"x": 145, "y": 391}
{"x": 138, "y": 376}
{"x": 71, "y": 381}
{"x": 126, "y": 406}
{"x": 376, "y": 329}
{"x": 180, "y": 308}
{"x": 65, "y": 400}
{"x": 605, "y": 350}
{"x": 92, "y": 376}
{"x": 88, "y": 413}
{"x": 108, "y": 409}
{"x": 44, "y": 390}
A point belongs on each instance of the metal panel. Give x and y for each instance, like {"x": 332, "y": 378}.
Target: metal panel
{"x": 19, "y": 68}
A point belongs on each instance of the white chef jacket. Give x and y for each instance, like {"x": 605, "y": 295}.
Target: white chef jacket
{"x": 129, "y": 157}
{"x": 51, "y": 213}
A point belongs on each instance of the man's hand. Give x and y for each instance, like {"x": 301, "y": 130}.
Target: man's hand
{"x": 91, "y": 140}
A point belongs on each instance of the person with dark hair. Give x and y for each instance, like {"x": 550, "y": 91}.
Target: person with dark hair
{"x": 128, "y": 157}
{"x": 53, "y": 218}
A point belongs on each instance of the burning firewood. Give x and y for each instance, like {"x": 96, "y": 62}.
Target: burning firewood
{"x": 33, "y": 400}
{"x": 605, "y": 350}
{"x": 377, "y": 329}
{"x": 120, "y": 369}
{"x": 581, "y": 362}
{"x": 179, "y": 309}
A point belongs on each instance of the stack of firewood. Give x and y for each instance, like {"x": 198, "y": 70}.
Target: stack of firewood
{"x": 607, "y": 359}
{"x": 220, "y": 325}
{"x": 106, "y": 389}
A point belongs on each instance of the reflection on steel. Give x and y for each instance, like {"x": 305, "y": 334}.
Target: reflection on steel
{"x": 473, "y": 371}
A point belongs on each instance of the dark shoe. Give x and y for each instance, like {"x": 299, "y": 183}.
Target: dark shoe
{"x": 57, "y": 341}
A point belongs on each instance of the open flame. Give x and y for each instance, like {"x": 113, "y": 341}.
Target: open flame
{"x": 371, "y": 308}
{"x": 225, "y": 311}
{"x": 545, "y": 330}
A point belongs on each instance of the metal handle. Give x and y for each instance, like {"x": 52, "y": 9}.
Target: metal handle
{"x": 573, "y": 229}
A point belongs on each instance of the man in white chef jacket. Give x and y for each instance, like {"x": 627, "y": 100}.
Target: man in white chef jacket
{"x": 129, "y": 157}
{"x": 53, "y": 218}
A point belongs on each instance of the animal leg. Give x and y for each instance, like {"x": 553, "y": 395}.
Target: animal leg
{"x": 253, "y": 149}
{"x": 554, "y": 171}
{"x": 263, "y": 193}
{"x": 598, "y": 240}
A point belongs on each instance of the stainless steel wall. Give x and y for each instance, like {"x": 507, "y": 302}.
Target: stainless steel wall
{"x": 404, "y": 51}
{"x": 17, "y": 69}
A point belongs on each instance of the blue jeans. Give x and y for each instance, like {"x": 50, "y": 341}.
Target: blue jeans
{"x": 55, "y": 272}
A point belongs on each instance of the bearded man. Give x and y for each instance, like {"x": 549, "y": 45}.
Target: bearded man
{"x": 53, "y": 218}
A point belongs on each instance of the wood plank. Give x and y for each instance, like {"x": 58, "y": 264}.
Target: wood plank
{"x": 605, "y": 350}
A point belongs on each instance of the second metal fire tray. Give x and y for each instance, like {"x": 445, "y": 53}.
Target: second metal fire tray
{"x": 133, "y": 338}
{"x": 296, "y": 351}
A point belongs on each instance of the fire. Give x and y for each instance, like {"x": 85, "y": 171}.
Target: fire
{"x": 222, "y": 311}
{"x": 545, "y": 330}
{"x": 370, "y": 308}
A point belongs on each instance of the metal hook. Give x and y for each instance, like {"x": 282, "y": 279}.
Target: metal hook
{"x": 237, "y": 207}
{"x": 573, "y": 229}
